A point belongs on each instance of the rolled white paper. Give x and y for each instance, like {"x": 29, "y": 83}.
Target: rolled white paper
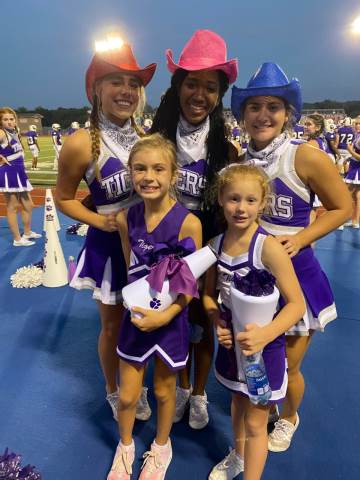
{"x": 249, "y": 309}
{"x": 139, "y": 293}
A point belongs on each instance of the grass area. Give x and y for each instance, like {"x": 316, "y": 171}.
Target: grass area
{"x": 45, "y": 176}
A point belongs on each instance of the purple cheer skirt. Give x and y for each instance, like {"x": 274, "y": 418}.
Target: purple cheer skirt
{"x": 101, "y": 267}
{"x": 226, "y": 369}
{"x": 13, "y": 178}
{"x": 320, "y": 306}
{"x": 353, "y": 175}
{"x": 170, "y": 343}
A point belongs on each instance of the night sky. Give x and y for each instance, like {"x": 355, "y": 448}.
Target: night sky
{"x": 47, "y": 45}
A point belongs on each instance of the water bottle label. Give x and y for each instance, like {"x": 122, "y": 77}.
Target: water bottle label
{"x": 257, "y": 381}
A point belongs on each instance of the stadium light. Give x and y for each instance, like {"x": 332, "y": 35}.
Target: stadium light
{"x": 110, "y": 43}
{"x": 355, "y": 26}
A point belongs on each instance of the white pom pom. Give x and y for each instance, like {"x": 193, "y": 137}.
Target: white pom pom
{"x": 27, "y": 277}
{"x": 82, "y": 230}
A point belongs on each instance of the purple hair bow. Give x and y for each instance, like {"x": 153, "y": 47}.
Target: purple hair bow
{"x": 170, "y": 265}
{"x": 257, "y": 283}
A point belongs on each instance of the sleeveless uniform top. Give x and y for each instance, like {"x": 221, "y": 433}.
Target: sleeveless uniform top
{"x": 288, "y": 212}
{"x": 353, "y": 174}
{"x": 170, "y": 342}
{"x": 191, "y": 183}
{"x": 13, "y": 177}
{"x": 226, "y": 368}
{"x": 101, "y": 264}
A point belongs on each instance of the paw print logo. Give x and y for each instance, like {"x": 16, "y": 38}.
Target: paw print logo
{"x": 49, "y": 217}
{"x": 48, "y": 199}
{"x": 48, "y": 208}
{"x": 155, "y": 303}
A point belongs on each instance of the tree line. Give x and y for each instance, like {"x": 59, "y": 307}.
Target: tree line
{"x": 65, "y": 116}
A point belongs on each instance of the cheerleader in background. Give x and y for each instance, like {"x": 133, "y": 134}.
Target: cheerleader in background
{"x": 352, "y": 177}
{"x": 14, "y": 182}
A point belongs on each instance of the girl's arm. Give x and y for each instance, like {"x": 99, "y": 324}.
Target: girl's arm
{"x": 3, "y": 159}
{"x": 74, "y": 159}
{"x": 313, "y": 143}
{"x": 278, "y": 262}
{"x": 121, "y": 220}
{"x": 151, "y": 320}
{"x": 316, "y": 170}
{"x": 352, "y": 151}
{"x": 211, "y": 307}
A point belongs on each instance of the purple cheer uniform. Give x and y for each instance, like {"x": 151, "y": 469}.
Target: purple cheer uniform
{"x": 288, "y": 212}
{"x": 170, "y": 342}
{"x": 353, "y": 175}
{"x": 226, "y": 368}
{"x": 101, "y": 265}
{"x": 13, "y": 177}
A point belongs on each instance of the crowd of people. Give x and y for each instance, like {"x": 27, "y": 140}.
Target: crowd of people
{"x": 246, "y": 186}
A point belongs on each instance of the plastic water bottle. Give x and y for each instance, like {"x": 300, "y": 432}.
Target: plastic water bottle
{"x": 256, "y": 378}
{"x": 71, "y": 268}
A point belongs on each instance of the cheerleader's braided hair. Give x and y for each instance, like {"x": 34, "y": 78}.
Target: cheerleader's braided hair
{"x": 167, "y": 117}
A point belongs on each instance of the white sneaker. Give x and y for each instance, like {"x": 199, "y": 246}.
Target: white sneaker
{"x": 341, "y": 227}
{"x": 113, "y": 399}
{"x": 348, "y": 223}
{"x": 182, "y": 402}
{"x": 280, "y": 438}
{"x": 198, "y": 417}
{"x": 121, "y": 468}
{"x": 23, "y": 242}
{"x": 228, "y": 468}
{"x": 274, "y": 416}
{"x": 143, "y": 410}
{"x": 32, "y": 235}
{"x": 355, "y": 225}
{"x": 156, "y": 462}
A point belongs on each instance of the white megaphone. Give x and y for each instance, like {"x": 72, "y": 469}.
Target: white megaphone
{"x": 49, "y": 207}
{"x": 55, "y": 272}
{"x": 250, "y": 309}
{"x": 140, "y": 294}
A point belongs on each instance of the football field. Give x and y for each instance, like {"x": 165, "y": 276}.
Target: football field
{"x": 45, "y": 176}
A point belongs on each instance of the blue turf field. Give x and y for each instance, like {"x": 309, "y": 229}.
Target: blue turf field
{"x": 52, "y": 406}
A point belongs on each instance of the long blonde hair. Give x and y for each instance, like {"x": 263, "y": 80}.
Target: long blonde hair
{"x": 10, "y": 111}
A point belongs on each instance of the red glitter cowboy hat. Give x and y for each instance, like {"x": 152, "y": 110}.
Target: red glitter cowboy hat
{"x": 114, "y": 61}
{"x": 205, "y": 50}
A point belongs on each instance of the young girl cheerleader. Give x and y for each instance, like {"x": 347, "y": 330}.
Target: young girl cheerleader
{"x": 352, "y": 177}
{"x": 268, "y": 107}
{"x": 115, "y": 88}
{"x": 157, "y": 227}
{"x": 191, "y": 115}
{"x": 242, "y": 193}
{"x": 14, "y": 182}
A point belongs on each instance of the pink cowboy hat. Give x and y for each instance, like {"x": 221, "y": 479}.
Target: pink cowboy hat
{"x": 205, "y": 50}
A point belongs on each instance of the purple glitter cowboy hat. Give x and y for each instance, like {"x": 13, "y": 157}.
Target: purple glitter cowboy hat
{"x": 268, "y": 80}
{"x": 205, "y": 50}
